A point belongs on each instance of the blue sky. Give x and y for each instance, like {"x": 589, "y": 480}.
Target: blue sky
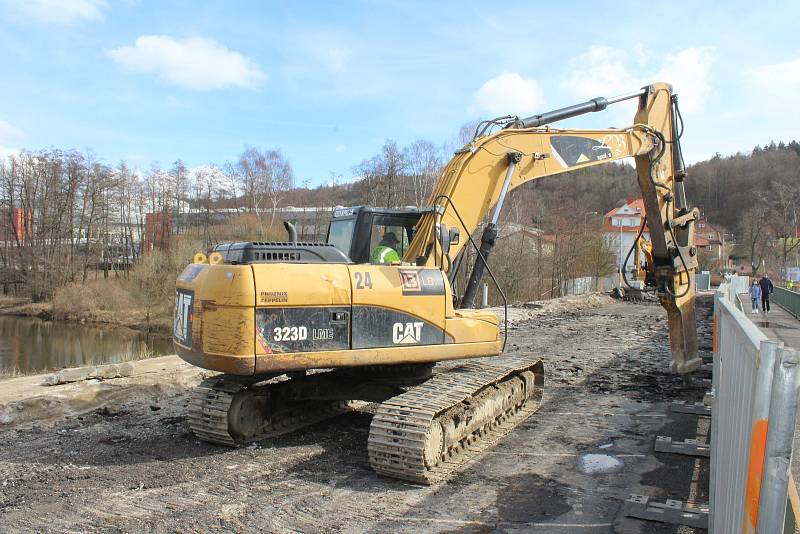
{"x": 329, "y": 82}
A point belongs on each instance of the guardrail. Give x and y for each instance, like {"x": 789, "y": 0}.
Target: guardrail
{"x": 788, "y": 300}
{"x": 733, "y": 287}
{"x": 756, "y": 383}
{"x": 703, "y": 280}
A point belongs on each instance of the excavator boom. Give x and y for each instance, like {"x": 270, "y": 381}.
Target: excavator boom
{"x": 475, "y": 182}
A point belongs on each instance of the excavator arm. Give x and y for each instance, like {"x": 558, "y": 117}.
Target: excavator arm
{"x": 474, "y": 185}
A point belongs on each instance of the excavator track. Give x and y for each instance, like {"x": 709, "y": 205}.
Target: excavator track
{"x": 226, "y": 410}
{"x": 427, "y": 433}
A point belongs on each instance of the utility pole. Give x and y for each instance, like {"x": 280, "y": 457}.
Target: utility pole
{"x": 621, "y": 260}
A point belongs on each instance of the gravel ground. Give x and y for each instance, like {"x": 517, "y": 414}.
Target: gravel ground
{"x": 135, "y": 467}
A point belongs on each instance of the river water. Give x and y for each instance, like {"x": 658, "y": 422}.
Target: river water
{"x": 29, "y": 344}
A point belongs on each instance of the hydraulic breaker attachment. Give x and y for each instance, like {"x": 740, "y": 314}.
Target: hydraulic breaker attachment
{"x": 682, "y": 326}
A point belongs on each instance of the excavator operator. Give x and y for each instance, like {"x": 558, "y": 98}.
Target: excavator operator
{"x": 385, "y": 252}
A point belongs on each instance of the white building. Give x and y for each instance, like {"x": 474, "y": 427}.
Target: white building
{"x": 620, "y": 227}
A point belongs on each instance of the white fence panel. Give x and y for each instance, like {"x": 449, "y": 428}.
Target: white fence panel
{"x": 756, "y": 383}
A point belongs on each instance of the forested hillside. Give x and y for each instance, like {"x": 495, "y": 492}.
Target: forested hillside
{"x": 71, "y": 210}
{"x": 724, "y": 187}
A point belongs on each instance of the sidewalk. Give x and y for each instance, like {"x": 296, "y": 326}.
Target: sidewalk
{"x": 777, "y": 324}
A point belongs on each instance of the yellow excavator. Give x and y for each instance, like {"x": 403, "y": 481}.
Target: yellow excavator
{"x": 300, "y": 331}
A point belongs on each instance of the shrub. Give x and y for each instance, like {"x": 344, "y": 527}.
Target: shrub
{"x": 77, "y": 301}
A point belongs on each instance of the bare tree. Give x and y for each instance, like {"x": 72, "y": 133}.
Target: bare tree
{"x": 783, "y": 202}
{"x": 597, "y": 259}
{"x": 753, "y": 233}
{"x": 265, "y": 177}
{"x": 179, "y": 185}
{"x": 384, "y": 175}
{"x": 424, "y": 165}
{"x": 467, "y": 131}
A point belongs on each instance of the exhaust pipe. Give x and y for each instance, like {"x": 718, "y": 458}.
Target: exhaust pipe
{"x": 292, "y": 231}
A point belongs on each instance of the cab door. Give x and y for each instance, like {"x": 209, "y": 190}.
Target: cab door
{"x": 396, "y": 306}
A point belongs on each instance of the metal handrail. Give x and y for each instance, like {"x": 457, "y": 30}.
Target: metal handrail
{"x": 788, "y": 300}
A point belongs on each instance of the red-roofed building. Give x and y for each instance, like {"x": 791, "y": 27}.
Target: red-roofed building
{"x": 717, "y": 239}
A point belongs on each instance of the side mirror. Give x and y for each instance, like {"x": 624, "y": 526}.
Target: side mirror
{"x": 455, "y": 236}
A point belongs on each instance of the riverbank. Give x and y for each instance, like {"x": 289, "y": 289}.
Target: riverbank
{"x": 133, "y": 318}
{"x": 24, "y": 307}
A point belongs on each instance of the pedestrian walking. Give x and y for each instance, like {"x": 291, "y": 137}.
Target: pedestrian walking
{"x": 755, "y": 296}
{"x": 766, "y": 291}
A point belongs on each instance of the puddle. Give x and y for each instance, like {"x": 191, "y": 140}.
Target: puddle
{"x": 531, "y": 498}
{"x": 597, "y": 464}
{"x": 776, "y": 326}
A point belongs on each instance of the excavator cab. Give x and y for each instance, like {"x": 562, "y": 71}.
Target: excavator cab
{"x": 352, "y": 235}
{"x": 356, "y": 231}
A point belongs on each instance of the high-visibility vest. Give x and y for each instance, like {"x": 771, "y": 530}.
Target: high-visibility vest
{"x": 383, "y": 254}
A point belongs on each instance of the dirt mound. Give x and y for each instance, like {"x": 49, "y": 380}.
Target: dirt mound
{"x": 525, "y": 312}
{"x": 33, "y": 400}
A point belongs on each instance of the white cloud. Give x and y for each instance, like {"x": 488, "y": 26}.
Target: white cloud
{"x": 688, "y": 72}
{"x": 335, "y": 58}
{"x": 769, "y": 89}
{"x": 340, "y": 148}
{"x": 318, "y": 55}
{"x": 784, "y": 75}
{"x": 776, "y": 85}
{"x": 193, "y": 63}
{"x": 642, "y": 55}
{"x": 10, "y": 134}
{"x": 507, "y": 94}
{"x": 607, "y": 71}
{"x": 57, "y": 11}
{"x": 10, "y": 139}
{"x": 600, "y": 71}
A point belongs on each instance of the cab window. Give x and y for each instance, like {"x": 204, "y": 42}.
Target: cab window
{"x": 340, "y": 234}
{"x": 403, "y": 231}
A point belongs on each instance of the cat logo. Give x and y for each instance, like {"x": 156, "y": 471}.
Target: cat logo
{"x": 182, "y": 327}
{"x": 407, "y": 333}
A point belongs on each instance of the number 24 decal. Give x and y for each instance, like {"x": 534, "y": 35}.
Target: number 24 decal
{"x": 363, "y": 280}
